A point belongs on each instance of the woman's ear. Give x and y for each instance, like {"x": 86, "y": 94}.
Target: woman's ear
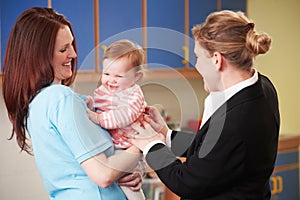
{"x": 217, "y": 60}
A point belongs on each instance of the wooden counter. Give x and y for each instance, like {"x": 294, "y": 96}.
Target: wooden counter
{"x": 288, "y": 144}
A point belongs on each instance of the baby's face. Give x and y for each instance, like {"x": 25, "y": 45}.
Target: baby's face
{"x": 118, "y": 74}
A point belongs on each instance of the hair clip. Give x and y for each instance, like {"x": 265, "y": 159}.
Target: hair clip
{"x": 250, "y": 25}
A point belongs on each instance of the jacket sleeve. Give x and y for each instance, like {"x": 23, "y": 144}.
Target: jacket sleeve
{"x": 181, "y": 141}
{"x": 200, "y": 176}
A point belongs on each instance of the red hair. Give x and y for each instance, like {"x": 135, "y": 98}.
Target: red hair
{"x": 27, "y": 67}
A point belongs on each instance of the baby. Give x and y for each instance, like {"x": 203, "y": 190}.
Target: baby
{"x": 119, "y": 101}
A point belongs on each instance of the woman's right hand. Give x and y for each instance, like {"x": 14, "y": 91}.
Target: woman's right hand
{"x": 146, "y": 135}
{"x": 134, "y": 181}
{"x": 153, "y": 117}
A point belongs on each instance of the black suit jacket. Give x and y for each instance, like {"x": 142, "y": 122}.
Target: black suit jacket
{"x": 232, "y": 156}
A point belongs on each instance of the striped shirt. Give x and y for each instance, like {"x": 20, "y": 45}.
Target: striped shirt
{"x": 117, "y": 111}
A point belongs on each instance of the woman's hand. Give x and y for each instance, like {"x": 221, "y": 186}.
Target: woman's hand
{"x": 133, "y": 181}
{"x": 153, "y": 117}
{"x": 145, "y": 135}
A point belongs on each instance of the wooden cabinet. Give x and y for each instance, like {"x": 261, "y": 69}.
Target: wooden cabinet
{"x": 233, "y": 5}
{"x": 81, "y": 16}
{"x": 9, "y": 12}
{"x": 118, "y": 20}
{"x": 284, "y": 181}
{"x": 165, "y": 38}
{"x": 98, "y": 23}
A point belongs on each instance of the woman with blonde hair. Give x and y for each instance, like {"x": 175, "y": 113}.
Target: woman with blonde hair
{"x": 232, "y": 156}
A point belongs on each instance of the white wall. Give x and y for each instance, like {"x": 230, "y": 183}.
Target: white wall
{"x": 280, "y": 19}
{"x": 19, "y": 178}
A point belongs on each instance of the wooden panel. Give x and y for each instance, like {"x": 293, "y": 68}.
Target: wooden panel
{"x": 288, "y": 143}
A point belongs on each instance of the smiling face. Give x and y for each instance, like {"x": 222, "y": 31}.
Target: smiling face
{"x": 63, "y": 55}
{"x": 118, "y": 74}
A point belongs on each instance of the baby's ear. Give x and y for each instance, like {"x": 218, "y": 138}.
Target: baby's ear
{"x": 138, "y": 75}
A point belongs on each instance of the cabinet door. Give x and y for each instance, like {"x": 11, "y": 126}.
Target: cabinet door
{"x": 81, "y": 15}
{"x": 9, "y": 12}
{"x": 119, "y": 20}
{"x": 198, "y": 11}
{"x": 285, "y": 185}
{"x": 285, "y": 180}
{"x": 165, "y": 38}
{"x": 234, "y": 5}
{"x": 166, "y": 22}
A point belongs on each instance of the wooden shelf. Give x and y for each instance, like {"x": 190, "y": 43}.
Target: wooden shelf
{"x": 288, "y": 143}
{"x": 150, "y": 74}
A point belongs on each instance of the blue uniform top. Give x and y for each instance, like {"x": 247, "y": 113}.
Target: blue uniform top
{"x": 62, "y": 137}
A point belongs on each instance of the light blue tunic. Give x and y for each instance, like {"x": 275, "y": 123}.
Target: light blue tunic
{"x": 62, "y": 137}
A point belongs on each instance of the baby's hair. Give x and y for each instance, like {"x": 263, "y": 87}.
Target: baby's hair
{"x": 126, "y": 48}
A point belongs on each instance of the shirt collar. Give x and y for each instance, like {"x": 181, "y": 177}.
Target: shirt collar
{"x": 215, "y": 99}
{"x": 229, "y": 92}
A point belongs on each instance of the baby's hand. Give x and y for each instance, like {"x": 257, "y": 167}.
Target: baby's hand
{"x": 89, "y": 102}
{"x": 93, "y": 116}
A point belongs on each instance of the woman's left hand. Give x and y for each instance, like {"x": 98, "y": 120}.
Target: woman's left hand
{"x": 133, "y": 181}
{"x": 145, "y": 135}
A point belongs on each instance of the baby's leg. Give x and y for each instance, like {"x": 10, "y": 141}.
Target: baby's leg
{"x": 133, "y": 195}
